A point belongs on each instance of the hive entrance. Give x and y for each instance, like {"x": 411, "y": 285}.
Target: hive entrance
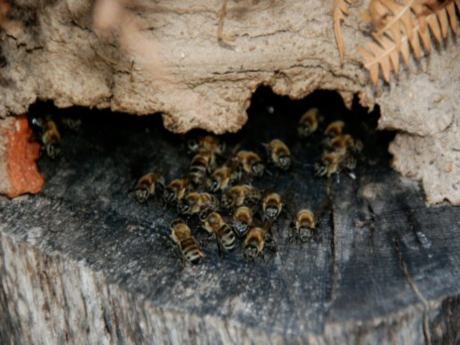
{"x": 100, "y": 163}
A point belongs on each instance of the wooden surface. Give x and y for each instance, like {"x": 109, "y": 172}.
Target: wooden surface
{"x": 84, "y": 263}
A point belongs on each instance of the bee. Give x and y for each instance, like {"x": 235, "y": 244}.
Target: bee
{"x": 240, "y": 195}
{"x": 242, "y": 219}
{"x": 250, "y": 163}
{"x": 347, "y": 146}
{"x": 195, "y": 203}
{"x": 202, "y": 163}
{"x": 207, "y": 143}
{"x": 215, "y": 224}
{"x": 254, "y": 242}
{"x": 187, "y": 244}
{"x": 304, "y": 224}
{"x": 272, "y": 205}
{"x": 176, "y": 189}
{"x": 148, "y": 185}
{"x": 308, "y": 123}
{"x": 330, "y": 163}
{"x": 280, "y": 154}
{"x": 51, "y": 138}
{"x": 334, "y": 129}
{"x": 341, "y": 143}
{"x": 221, "y": 178}
{"x": 71, "y": 123}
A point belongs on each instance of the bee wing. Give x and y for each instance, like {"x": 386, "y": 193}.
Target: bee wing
{"x": 220, "y": 246}
{"x": 268, "y": 172}
{"x": 132, "y": 189}
{"x": 164, "y": 238}
{"x": 236, "y": 148}
{"x": 267, "y": 227}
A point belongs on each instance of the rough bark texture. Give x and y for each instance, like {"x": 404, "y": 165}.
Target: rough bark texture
{"x": 174, "y": 65}
{"x": 82, "y": 262}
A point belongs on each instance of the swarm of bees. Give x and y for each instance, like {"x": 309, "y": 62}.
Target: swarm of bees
{"x": 218, "y": 195}
{"x": 340, "y": 150}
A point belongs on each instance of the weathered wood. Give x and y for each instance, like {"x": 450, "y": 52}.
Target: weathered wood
{"x": 84, "y": 263}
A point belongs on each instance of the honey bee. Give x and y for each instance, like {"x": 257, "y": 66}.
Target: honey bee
{"x": 176, "y": 189}
{"x": 207, "y": 143}
{"x": 334, "y": 129}
{"x": 341, "y": 143}
{"x": 202, "y": 163}
{"x": 195, "y": 203}
{"x": 272, "y": 205}
{"x": 71, "y": 123}
{"x": 148, "y": 185}
{"x": 215, "y": 224}
{"x": 221, "y": 178}
{"x": 258, "y": 240}
{"x": 51, "y": 138}
{"x": 280, "y": 154}
{"x": 330, "y": 163}
{"x": 242, "y": 219}
{"x": 308, "y": 123}
{"x": 250, "y": 163}
{"x": 188, "y": 246}
{"x": 304, "y": 224}
{"x": 240, "y": 195}
{"x": 254, "y": 242}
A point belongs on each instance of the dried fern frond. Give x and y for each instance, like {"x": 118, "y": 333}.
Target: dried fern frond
{"x": 404, "y": 28}
{"x": 339, "y": 14}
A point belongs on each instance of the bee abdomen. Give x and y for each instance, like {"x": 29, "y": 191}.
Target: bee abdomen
{"x": 190, "y": 250}
{"x": 228, "y": 237}
{"x": 197, "y": 175}
{"x": 193, "y": 256}
{"x": 50, "y": 137}
{"x": 198, "y": 169}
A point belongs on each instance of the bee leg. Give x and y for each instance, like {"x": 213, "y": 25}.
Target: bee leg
{"x": 183, "y": 260}
{"x": 164, "y": 204}
{"x": 337, "y": 178}
{"x": 181, "y": 256}
{"x": 316, "y": 237}
{"x": 206, "y": 240}
{"x": 174, "y": 248}
{"x": 270, "y": 229}
{"x": 292, "y": 236}
{"x": 263, "y": 257}
{"x": 160, "y": 190}
{"x": 270, "y": 244}
{"x": 220, "y": 248}
{"x": 248, "y": 257}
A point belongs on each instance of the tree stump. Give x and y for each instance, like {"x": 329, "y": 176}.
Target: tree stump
{"x": 83, "y": 262}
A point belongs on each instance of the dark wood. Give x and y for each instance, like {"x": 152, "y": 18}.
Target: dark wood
{"x": 384, "y": 269}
